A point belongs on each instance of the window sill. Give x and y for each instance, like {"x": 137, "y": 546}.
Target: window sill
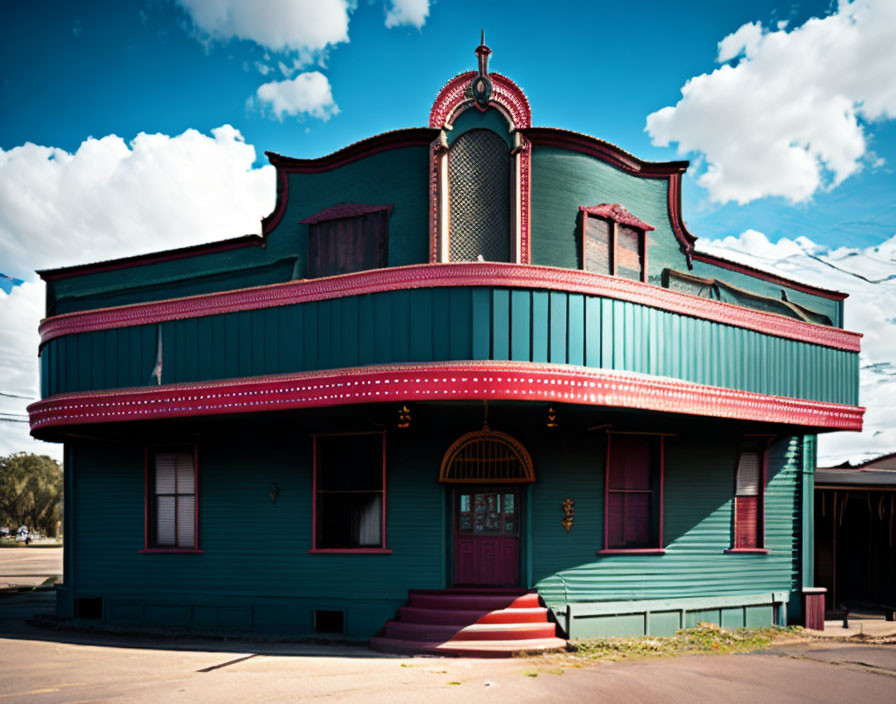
{"x": 747, "y": 551}
{"x": 183, "y": 551}
{"x": 350, "y": 551}
{"x": 632, "y": 551}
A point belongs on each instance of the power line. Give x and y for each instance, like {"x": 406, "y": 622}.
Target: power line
{"x": 5, "y": 393}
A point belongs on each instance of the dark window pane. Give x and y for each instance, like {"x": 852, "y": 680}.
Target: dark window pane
{"x": 350, "y": 462}
{"x": 349, "y": 520}
{"x": 630, "y": 462}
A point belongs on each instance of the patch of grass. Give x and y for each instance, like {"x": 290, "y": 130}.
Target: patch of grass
{"x": 453, "y": 683}
{"x": 706, "y": 638}
{"x": 530, "y": 674}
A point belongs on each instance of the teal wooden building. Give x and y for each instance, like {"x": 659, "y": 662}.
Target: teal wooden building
{"x": 477, "y": 356}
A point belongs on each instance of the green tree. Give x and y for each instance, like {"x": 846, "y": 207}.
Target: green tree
{"x": 30, "y": 492}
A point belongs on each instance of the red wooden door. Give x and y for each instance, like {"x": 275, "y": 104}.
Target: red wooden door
{"x": 486, "y": 537}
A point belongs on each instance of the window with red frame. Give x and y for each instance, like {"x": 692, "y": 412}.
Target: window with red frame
{"x": 613, "y": 248}
{"x": 749, "y": 494}
{"x": 349, "y": 491}
{"x": 634, "y": 492}
{"x": 171, "y": 494}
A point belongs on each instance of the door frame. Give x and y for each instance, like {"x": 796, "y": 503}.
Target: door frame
{"x": 522, "y": 491}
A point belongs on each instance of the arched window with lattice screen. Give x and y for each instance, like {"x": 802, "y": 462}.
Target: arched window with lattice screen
{"x": 479, "y": 196}
{"x": 486, "y": 457}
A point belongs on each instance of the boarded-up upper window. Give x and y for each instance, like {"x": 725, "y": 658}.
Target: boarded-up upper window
{"x": 348, "y": 237}
{"x": 487, "y": 457}
{"x": 614, "y": 242}
{"x": 479, "y": 187}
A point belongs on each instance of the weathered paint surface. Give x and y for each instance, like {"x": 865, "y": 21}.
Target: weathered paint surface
{"x": 255, "y": 571}
{"x": 451, "y": 324}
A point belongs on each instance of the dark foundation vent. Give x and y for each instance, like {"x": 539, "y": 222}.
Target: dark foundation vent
{"x": 329, "y": 623}
{"x": 91, "y": 608}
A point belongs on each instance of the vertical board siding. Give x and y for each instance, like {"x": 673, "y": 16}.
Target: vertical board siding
{"x": 452, "y": 324}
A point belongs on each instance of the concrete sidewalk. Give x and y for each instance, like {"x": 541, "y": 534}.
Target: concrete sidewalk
{"x": 44, "y": 665}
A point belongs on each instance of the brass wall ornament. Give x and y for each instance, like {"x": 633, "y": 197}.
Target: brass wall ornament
{"x": 552, "y": 417}
{"x": 404, "y": 417}
{"x": 569, "y": 511}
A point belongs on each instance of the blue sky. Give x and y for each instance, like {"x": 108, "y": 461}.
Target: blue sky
{"x": 74, "y": 70}
{"x": 129, "y": 127}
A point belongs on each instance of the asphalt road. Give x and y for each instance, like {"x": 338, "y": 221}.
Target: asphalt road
{"x": 29, "y": 566}
{"x": 40, "y": 665}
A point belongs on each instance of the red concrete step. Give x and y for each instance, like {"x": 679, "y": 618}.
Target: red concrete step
{"x": 472, "y": 601}
{"x": 424, "y": 632}
{"x": 413, "y": 614}
{"x": 473, "y": 648}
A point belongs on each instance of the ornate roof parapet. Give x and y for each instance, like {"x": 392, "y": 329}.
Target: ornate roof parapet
{"x": 482, "y": 90}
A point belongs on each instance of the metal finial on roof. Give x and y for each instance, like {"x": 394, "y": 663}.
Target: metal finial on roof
{"x": 481, "y": 86}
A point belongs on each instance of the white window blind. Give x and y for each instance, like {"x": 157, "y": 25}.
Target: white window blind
{"x": 175, "y": 500}
{"x": 749, "y": 473}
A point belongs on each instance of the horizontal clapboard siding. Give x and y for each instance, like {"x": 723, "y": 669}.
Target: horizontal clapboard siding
{"x": 451, "y": 324}
{"x": 256, "y": 552}
{"x": 699, "y": 488}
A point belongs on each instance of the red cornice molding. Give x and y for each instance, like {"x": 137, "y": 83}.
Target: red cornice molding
{"x": 437, "y": 382}
{"x": 440, "y": 275}
{"x": 153, "y": 258}
{"x": 506, "y": 95}
{"x": 609, "y": 153}
{"x": 766, "y": 276}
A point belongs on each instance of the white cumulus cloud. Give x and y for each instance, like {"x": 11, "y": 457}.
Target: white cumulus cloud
{"x": 790, "y": 118}
{"x": 109, "y": 199}
{"x": 869, "y": 277}
{"x": 407, "y": 12}
{"x": 305, "y": 27}
{"x": 307, "y": 94}
{"x": 112, "y": 198}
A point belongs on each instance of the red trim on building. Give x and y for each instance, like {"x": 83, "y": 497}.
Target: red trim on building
{"x": 766, "y": 276}
{"x": 351, "y": 551}
{"x": 616, "y": 213}
{"x": 344, "y": 210}
{"x": 397, "y": 139}
{"x": 606, "y": 152}
{"x": 510, "y": 381}
{"x": 679, "y": 229}
{"x": 195, "y": 250}
{"x": 442, "y": 275}
{"x": 746, "y": 551}
{"x": 506, "y": 95}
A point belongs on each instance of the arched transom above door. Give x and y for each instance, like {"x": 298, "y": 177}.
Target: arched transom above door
{"x": 487, "y": 457}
